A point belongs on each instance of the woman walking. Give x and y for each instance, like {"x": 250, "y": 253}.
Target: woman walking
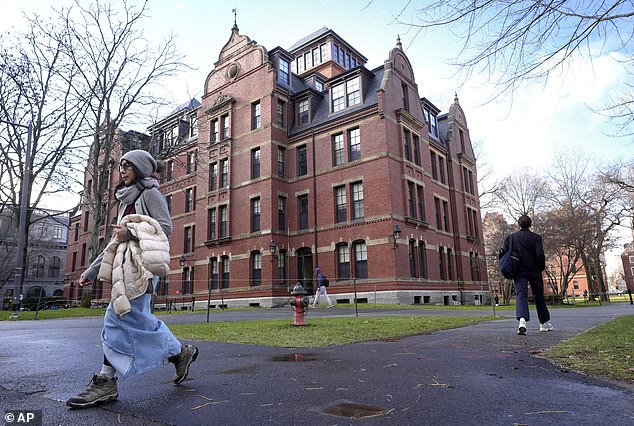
{"x": 133, "y": 339}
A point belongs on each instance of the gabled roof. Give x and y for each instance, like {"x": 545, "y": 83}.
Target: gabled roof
{"x": 189, "y": 105}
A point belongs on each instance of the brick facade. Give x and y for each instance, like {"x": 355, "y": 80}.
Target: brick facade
{"x": 324, "y": 159}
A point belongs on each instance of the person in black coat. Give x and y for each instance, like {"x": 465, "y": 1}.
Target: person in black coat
{"x": 532, "y": 262}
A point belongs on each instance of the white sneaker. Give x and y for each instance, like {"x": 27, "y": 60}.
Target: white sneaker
{"x": 521, "y": 329}
{"x": 547, "y": 326}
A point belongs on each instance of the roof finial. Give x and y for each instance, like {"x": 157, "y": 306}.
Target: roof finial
{"x": 455, "y": 97}
{"x": 398, "y": 42}
{"x": 235, "y": 18}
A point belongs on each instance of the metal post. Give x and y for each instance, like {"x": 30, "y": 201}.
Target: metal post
{"x": 208, "y": 299}
{"x": 24, "y": 204}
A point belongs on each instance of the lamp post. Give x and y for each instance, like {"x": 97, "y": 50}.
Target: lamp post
{"x": 24, "y": 204}
{"x": 182, "y": 261}
{"x": 273, "y": 251}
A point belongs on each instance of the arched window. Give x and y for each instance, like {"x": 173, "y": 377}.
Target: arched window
{"x": 53, "y": 269}
{"x": 256, "y": 268}
{"x": 360, "y": 259}
{"x": 38, "y": 267}
{"x": 225, "y": 267}
{"x": 343, "y": 261}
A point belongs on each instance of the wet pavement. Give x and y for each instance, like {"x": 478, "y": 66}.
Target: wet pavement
{"x": 483, "y": 374}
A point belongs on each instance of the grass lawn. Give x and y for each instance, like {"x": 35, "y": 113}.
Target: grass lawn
{"x": 604, "y": 351}
{"x": 321, "y": 331}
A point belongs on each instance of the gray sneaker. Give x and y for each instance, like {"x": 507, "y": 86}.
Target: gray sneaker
{"x": 100, "y": 390}
{"x": 182, "y": 361}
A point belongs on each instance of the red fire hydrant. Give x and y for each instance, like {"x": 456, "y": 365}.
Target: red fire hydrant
{"x": 299, "y": 302}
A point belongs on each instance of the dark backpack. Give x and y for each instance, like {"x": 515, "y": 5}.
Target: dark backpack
{"x": 326, "y": 282}
{"x": 509, "y": 261}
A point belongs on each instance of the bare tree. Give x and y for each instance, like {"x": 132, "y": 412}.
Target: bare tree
{"x": 522, "y": 192}
{"x": 36, "y": 86}
{"x": 119, "y": 73}
{"x": 519, "y": 41}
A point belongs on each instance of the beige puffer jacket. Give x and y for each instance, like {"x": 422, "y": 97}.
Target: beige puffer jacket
{"x": 132, "y": 264}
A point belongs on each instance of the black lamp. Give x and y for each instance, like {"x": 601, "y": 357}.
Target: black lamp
{"x": 273, "y": 248}
{"x": 182, "y": 260}
{"x": 396, "y": 233}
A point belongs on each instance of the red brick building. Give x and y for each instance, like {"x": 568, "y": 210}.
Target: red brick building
{"x": 627, "y": 258}
{"x": 304, "y": 157}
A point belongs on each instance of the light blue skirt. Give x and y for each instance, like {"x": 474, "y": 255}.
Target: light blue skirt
{"x": 138, "y": 341}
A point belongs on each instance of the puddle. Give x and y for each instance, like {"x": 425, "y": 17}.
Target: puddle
{"x": 295, "y": 358}
{"x": 354, "y": 411}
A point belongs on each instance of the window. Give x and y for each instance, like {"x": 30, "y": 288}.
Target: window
{"x": 358, "y": 209}
{"x": 302, "y": 210}
{"x": 168, "y": 200}
{"x": 256, "y": 268}
{"x": 86, "y": 221}
{"x": 187, "y": 278}
{"x": 337, "y": 150}
{"x": 193, "y": 126}
{"x": 467, "y": 181}
{"x": 438, "y": 213}
{"x": 343, "y": 262}
{"x": 224, "y": 120}
{"x": 281, "y": 213}
{"x": 189, "y": 199}
{"x": 420, "y": 196}
{"x": 38, "y": 268}
{"x": 416, "y": 149}
{"x": 422, "y": 259}
{"x": 255, "y": 214}
{"x": 354, "y": 141}
{"x": 406, "y": 147}
{"x": 302, "y": 161}
{"x": 432, "y": 122}
{"x": 53, "y": 269}
{"x": 319, "y": 86}
{"x": 281, "y": 161}
{"x": 224, "y": 173}
{"x": 316, "y": 57}
{"x": 340, "y": 204}
{"x": 353, "y": 91}
{"x": 345, "y": 94}
{"x": 83, "y": 254}
{"x": 191, "y": 162}
{"x": 302, "y": 112}
{"x": 281, "y": 113}
{"x": 211, "y": 223}
{"x": 360, "y": 260}
{"x": 256, "y": 115}
{"x": 449, "y": 264}
{"x": 169, "y": 170}
{"x": 411, "y": 202}
{"x": 188, "y": 236}
{"x": 283, "y": 76}
{"x": 434, "y": 168}
{"x": 441, "y": 169}
{"x": 58, "y": 232}
{"x": 225, "y": 271}
{"x": 162, "y": 286}
{"x": 222, "y": 222}
{"x": 281, "y": 267}
{"x": 213, "y": 273}
{"x": 461, "y": 133}
{"x": 575, "y": 285}
{"x": 73, "y": 267}
{"x": 442, "y": 263}
{"x": 338, "y": 97}
{"x": 255, "y": 163}
{"x": 445, "y": 213}
{"x": 76, "y": 235}
{"x": 405, "y": 96}
{"x": 213, "y": 176}
{"x": 412, "y": 258}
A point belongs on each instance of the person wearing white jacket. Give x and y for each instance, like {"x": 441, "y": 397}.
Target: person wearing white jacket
{"x": 133, "y": 339}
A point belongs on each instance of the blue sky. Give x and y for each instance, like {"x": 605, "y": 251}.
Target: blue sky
{"x": 524, "y": 132}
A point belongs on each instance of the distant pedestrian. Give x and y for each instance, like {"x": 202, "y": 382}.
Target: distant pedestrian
{"x": 322, "y": 284}
{"x": 532, "y": 262}
{"x": 133, "y": 339}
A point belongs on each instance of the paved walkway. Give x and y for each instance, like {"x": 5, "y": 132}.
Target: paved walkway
{"x": 479, "y": 375}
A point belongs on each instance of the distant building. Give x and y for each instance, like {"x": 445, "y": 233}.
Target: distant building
{"x": 303, "y": 157}
{"x": 45, "y": 259}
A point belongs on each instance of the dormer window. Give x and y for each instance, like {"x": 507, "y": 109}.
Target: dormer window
{"x": 283, "y": 75}
{"x": 345, "y": 94}
{"x": 302, "y": 112}
{"x": 432, "y": 121}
